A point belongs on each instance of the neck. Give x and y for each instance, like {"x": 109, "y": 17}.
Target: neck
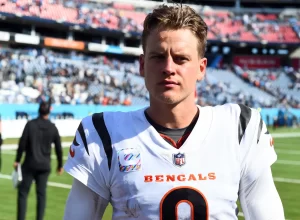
{"x": 46, "y": 117}
{"x": 172, "y": 116}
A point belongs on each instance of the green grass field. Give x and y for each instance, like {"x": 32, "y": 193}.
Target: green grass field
{"x": 286, "y": 169}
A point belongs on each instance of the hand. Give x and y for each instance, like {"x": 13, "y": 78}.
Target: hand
{"x": 60, "y": 171}
{"x": 15, "y": 165}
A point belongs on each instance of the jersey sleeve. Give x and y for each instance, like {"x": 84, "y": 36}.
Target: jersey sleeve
{"x": 260, "y": 196}
{"x": 257, "y": 148}
{"x": 86, "y": 160}
{"x": 83, "y": 203}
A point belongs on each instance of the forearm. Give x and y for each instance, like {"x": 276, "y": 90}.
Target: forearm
{"x": 83, "y": 203}
{"x": 22, "y": 143}
{"x": 59, "y": 157}
{"x": 19, "y": 152}
{"x": 260, "y": 199}
{"x": 1, "y": 141}
{"x": 58, "y": 151}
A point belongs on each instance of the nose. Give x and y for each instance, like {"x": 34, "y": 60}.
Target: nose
{"x": 169, "y": 66}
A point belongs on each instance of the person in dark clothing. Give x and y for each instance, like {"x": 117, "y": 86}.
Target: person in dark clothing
{"x": 36, "y": 140}
{"x": 1, "y": 142}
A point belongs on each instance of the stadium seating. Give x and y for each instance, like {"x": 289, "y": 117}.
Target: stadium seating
{"x": 80, "y": 79}
{"x": 276, "y": 82}
{"x": 125, "y": 17}
{"x": 30, "y": 75}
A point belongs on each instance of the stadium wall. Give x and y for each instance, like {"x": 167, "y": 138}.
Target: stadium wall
{"x": 11, "y": 111}
{"x": 12, "y": 128}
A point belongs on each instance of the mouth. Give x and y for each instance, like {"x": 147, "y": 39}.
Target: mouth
{"x": 168, "y": 82}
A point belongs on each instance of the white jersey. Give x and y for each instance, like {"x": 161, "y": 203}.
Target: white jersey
{"x": 144, "y": 177}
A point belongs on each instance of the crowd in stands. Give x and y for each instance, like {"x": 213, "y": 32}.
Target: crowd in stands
{"x": 29, "y": 76}
{"x": 101, "y": 15}
{"x": 116, "y": 16}
{"x": 209, "y": 93}
{"x": 283, "y": 83}
{"x": 270, "y": 27}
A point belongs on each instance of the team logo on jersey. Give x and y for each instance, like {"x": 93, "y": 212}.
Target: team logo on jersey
{"x": 179, "y": 159}
{"x": 129, "y": 160}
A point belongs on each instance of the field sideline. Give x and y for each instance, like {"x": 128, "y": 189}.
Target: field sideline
{"x": 285, "y": 171}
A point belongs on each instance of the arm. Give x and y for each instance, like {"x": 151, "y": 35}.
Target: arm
{"x": 260, "y": 199}
{"x": 83, "y": 203}
{"x": 258, "y": 195}
{"x": 1, "y": 141}
{"x": 22, "y": 143}
{"x": 58, "y": 149}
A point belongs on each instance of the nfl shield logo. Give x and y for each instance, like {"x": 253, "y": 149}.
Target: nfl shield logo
{"x": 179, "y": 159}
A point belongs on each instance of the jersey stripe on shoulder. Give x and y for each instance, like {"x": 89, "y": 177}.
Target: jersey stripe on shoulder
{"x": 244, "y": 120}
{"x": 259, "y": 129}
{"x": 82, "y": 135}
{"x": 99, "y": 124}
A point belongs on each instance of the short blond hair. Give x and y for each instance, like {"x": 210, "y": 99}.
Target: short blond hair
{"x": 175, "y": 18}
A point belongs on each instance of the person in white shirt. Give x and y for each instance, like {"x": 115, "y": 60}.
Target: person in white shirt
{"x": 173, "y": 159}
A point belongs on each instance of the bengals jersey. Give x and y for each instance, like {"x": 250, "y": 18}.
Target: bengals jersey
{"x": 122, "y": 158}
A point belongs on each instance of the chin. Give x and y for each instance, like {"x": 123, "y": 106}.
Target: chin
{"x": 168, "y": 99}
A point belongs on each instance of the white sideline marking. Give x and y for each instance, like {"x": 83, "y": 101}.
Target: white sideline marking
{"x": 288, "y": 162}
{"x": 53, "y": 157}
{"x": 286, "y": 135}
{"x": 241, "y": 214}
{"x": 292, "y": 152}
{"x": 58, "y": 185}
{"x": 285, "y": 180}
{"x": 15, "y": 146}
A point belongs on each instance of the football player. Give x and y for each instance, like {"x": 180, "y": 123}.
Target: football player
{"x": 173, "y": 159}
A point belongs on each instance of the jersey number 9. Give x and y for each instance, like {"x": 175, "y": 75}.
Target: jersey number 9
{"x": 171, "y": 200}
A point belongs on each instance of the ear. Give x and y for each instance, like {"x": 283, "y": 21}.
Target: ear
{"x": 202, "y": 68}
{"x": 142, "y": 63}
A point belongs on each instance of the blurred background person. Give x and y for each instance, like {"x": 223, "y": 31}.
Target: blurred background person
{"x": 36, "y": 140}
{"x": 1, "y": 142}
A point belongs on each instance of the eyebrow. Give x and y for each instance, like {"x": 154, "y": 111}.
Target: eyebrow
{"x": 156, "y": 52}
{"x": 163, "y": 52}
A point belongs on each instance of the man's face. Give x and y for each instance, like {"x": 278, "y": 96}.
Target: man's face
{"x": 171, "y": 65}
